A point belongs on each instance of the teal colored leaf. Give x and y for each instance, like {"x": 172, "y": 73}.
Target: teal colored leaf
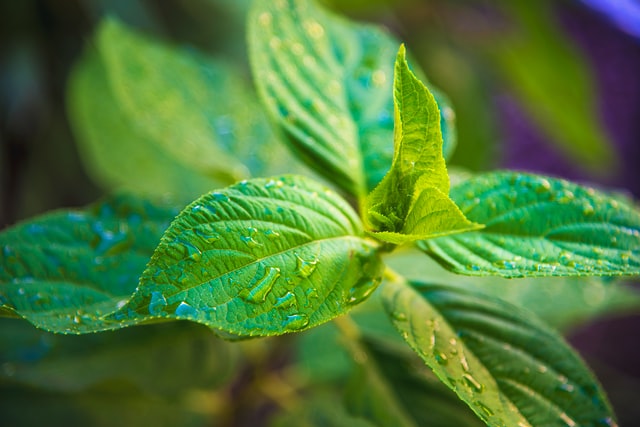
{"x": 194, "y": 108}
{"x": 262, "y": 257}
{"x": 116, "y": 153}
{"x": 412, "y": 203}
{"x": 64, "y": 270}
{"x": 165, "y": 359}
{"x": 537, "y": 226}
{"x": 551, "y": 78}
{"x": 509, "y": 367}
{"x": 562, "y": 302}
{"x": 328, "y": 85}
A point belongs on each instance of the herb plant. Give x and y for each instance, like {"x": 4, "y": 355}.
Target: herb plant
{"x": 261, "y": 257}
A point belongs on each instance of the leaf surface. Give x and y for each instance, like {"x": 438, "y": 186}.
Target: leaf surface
{"x": 64, "y": 270}
{"x": 114, "y": 151}
{"x": 562, "y": 302}
{"x": 328, "y": 85}
{"x": 538, "y": 226}
{"x": 262, "y": 257}
{"x": 411, "y": 202}
{"x": 194, "y": 108}
{"x": 509, "y": 367}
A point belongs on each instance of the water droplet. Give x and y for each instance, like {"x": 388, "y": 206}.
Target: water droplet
{"x": 265, "y": 18}
{"x": 548, "y": 268}
{"x": 311, "y": 293}
{"x": 304, "y": 268}
{"x": 361, "y": 290}
{"x": 189, "y": 250}
{"x": 288, "y": 300}
{"x": 295, "y": 322}
{"x": 470, "y": 381}
{"x": 378, "y": 78}
{"x": 157, "y": 304}
{"x": 249, "y": 240}
{"x": 607, "y": 422}
{"x": 508, "y": 265}
{"x": 565, "y": 388}
{"x": 484, "y": 408}
{"x": 185, "y": 310}
{"x": 220, "y": 197}
{"x": 261, "y": 286}
{"x": 588, "y": 209}
{"x": 271, "y": 234}
{"x": 314, "y": 29}
{"x": 77, "y": 320}
{"x": 441, "y": 358}
{"x": 399, "y": 316}
{"x": 473, "y": 267}
{"x": 544, "y": 187}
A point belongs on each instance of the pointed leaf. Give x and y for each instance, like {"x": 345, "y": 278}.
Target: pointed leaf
{"x": 115, "y": 152}
{"x": 194, "y": 108}
{"x": 328, "y": 85}
{"x": 509, "y": 367}
{"x": 411, "y": 202}
{"x": 537, "y": 226}
{"x": 63, "y": 270}
{"x": 263, "y": 257}
{"x": 562, "y": 302}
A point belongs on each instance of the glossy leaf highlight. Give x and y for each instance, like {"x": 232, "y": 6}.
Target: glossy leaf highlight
{"x": 539, "y": 226}
{"x": 65, "y": 270}
{"x": 510, "y": 368}
{"x": 412, "y": 203}
{"x": 263, "y": 257}
{"x": 328, "y": 85}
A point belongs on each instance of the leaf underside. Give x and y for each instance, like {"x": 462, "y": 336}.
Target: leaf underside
{"x": 510, "y": 368}
{"x": 539, "y": 226}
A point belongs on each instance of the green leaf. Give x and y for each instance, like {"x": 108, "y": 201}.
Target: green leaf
{"x": 537, "y": 226}
{"x": 327, "y": 83}
{"x": 262, "y": 257}
{"x": 538, "y": 60}
{"x": 424, "y": 398}
{"x": 412, "y": 203}
{"x": 509, "y": 367}
{"x": 163, "y": 359}
{"x": 116, "y": 153}
{"x": 319, "y": 410}
{"x": 562, "y": 302}
{"x": 62, "y": 271}
{"x": 99, "y": 408}
{"x": 194, "y": 108}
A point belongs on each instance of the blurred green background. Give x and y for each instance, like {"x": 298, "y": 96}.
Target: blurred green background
{"x": 550, "y": 86}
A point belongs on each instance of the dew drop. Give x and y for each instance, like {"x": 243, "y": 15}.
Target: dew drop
{"x": 295, "y": 322}
{"x": 314, "y": 29}
{"x": 508, "y": 265}
{"x": 484, "y": 408}
{"x": 473, "y": 267}
{"x": 265, "y": 18}
{"x": 288, "y": 300}
{"x": 220, "y": 197}
{"x": 185, "y": 310}
{"x": 565, "y": 388}
{"x": 271, "y": 234}
{"x": 261, "y": 286}
{"x": 207, "y": 236}
{"x": 157, "y": 304}
{"x": 361, "y": 290}
{"x": 248, "y": 238}
{"x": 470, "y": 381}
{"x": 544, "y": 187}
{"x": 304, "y": 268}
{"x": 400, "y": 316}
{"x": 441, "y": 358}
